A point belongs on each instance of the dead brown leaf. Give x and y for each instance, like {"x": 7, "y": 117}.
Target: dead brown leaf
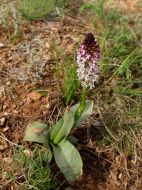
{"x": 34, "y": 96}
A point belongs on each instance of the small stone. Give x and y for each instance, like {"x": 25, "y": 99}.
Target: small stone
{"x": 5, "y": 129}
{"x": 2, "y": 121}
{"x": 8, "y": 83}
{"x": 47, "y": 106}
{"x": 14, "y": 106}
{"x": 5, "y": 113}
{"x": 97, "y": 124}
{"x": 4, "y": 107}
{"x": 1, "y": 45}
{"x": 119, "y": 176}
{"x": 47, "y": 45}
{"x": 15, "y": 111}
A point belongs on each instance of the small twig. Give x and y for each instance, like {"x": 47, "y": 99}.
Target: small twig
{"x": 10, "y": 142}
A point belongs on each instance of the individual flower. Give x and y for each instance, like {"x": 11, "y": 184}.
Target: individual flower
{"x": 87, "y": 59}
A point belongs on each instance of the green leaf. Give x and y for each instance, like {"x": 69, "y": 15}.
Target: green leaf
{"x": 130, "y": 59}
{"x": 68, "y": 160}
{"x": 86, "y": 113}
{"x": 37, "y": 132}
{"x": 62, "y": 128}
{"x": 56, "y": 129}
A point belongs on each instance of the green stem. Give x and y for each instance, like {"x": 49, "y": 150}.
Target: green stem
{"x": 82, "y": 104}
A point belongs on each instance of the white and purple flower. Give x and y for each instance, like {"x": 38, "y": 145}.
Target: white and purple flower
{"x": 87, "y": 57}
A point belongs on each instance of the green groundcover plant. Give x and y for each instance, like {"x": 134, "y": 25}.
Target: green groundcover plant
{"x": 35, "y": 9}
{"x": 57, "y": 139}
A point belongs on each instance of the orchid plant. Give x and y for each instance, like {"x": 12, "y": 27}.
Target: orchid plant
{"x": 57, "y": 139}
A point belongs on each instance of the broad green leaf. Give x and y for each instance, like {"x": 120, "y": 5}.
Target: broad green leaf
{"x": 68, "y": 160}
{"x": 63, "y": 128}
{"x": 37, "y": 132}
{"x": 86, "y": 113}
{"x": 56, "y": 129}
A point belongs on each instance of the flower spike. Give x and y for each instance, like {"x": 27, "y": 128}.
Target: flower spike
{"x": 87, "y": 57}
